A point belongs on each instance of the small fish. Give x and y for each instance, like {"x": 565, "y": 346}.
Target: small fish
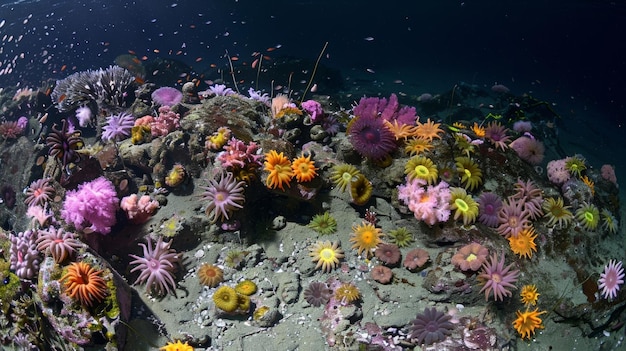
{"x": 61, "y": 98}
{"x": 369, "y": 70}
{"x": 368, "y": 38}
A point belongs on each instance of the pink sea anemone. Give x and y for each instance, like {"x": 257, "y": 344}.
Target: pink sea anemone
{"x": 317, "y": 294}
{"x": 528, "y": 149}
{"x": 224, "y": 195}
{"x": 388, "y": 253}
{"x": 496, "y": 134}
{"x": 513, "y": 218}
{"x": 611, "y": 279}
{"x": 470, "y": 257}
{"x": 531, "y": 196}
{"x": 156, "y": 267}
{"x": 371, "y": 138}
{"x": 608, "y": 173}
{"x": 415, "y": 259}
{"x": 39, "y": 192}
{"x": 382, "y": 274}
{"x": 430, "y": 204}
{"x": 93, "y": 204}
{"x": 489, "y": 204}
{"x": 497, "y": 278}
{"x": 557, "y": 172}
{"x": 59, "y": 242}
{"x": 430, "y": 327}
{"x": 167, "y": 96}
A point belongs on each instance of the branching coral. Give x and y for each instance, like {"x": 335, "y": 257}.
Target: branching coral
{"x": 138, "y": 209}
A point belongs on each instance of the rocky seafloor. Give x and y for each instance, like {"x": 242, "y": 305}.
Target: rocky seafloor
{"x": 268, "y": 240}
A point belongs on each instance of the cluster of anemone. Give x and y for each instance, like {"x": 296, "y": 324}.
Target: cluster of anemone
{"x": 323, "y": 223}
{"x": 430, "y": 204}
{"x": 39, "y": 192}
{"x": 365, "y": 238}
{"x": 326, "y": 255}
{"x": 497, "y": 278}
{"x": 224, "y": 194}
{"x": 118, "y": 127}
{"x": 228, "y": 300}
{"x": 156, "y": 267}
{"x": 420, "y": 167}
{"x": 471, "y": 175}
{"x": 60, "y": 243}
{"x": 430, "y": 327}
{"x": 63, "y": 144}
{"x": 470, "y": 257}
{"x": 463, "y": 205}
{"x": 85, "y": 284}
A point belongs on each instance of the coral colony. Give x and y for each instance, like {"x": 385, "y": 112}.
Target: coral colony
{"x": 370, "y": 226}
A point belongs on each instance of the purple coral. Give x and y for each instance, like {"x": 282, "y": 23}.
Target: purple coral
{"x": 224, "y": 195}
{"x": 498, "y": 278}
{"x": 431, "y": 326}
{"x": 167, "y": 96}
{"x": 24, "y": 260}
{"x": 92, "y": 205}
{"x": 118, "y": 127}
{"x": 156, "y": 267}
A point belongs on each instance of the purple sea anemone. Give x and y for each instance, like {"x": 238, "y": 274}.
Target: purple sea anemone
{"x": 528, "y": 149}
{"x": 39, "y": 192}
{"x": 496, "y": 134}
{"x": 118, "y": 127}
{"x": 430, "y": 327}
{"x": 317, "y": 294}
{"x": 221, "y": 90}
{"x": 522, "y": 126}
{"x": 60, "y": 243}
{"x": 24, "y": 258}
{"x": 156, "y": 266}
{"x": 388, "y": 253}
{"x": 63, "y": 143}
{"x": 371, "y": 138}
{"x": 224, "y": 195}
{"x": 611, "y": 279}
{"x": 93, "y": 204}
{"x": 531, "y": 196}
{"x": 497, "y": 278}
{"x": 489, "y": 204}
{"x": 167, "y": 96}
{"x": 513, "y": 218}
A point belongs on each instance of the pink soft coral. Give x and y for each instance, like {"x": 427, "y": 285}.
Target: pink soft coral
{"x": 138, "y": 209}
{"x": 93, "y": 205}
{"x": 237, "y": 155}
{"x": 163, "y": 124}
{"x": 430, "y": 204}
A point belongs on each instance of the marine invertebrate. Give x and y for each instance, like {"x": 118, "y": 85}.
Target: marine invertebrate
{"x": 140, "y": 134}
{"x": 178, "y": 346}
{"x": 93, "y": 204}
{"x": 365, "y": 238}
{"x": 557, "y": 173}
{"x": 588, "y": 216}
{"x": 24, "y": 257}
{"x": 61, "y": 243}
{"x": 496, "y": 134}
{"x": 156, "y": 266}
{"x": 524, "y": 243}
{"x": 10, "y": 129}
{"x": 415, "y": 259}
{"x": 529, "y": 149}
{"x": 313, "y": 108}
{"x": 421, "y": 167}
{"x": 218, "y": 139}
{"x": 226, "y": 299}
{"x": 370, "y": 138}
{"x": 430, "y": 327}
{"x": 317, "y": 294}
{"x": 428, "y": 130}
{"x": 609, "y": 222}
{"x": 381, "y": 274}
{"x": 347, "y": 293}
{"x": 608, "y": 173}
{"x": 280, "y": 170}
{"x": 167, "y": 96}
{"x": 85, "y": 284}
{"x": 210, "y": 275}
{"x": 470, "y": 257}
{"x": 529, "y": 295}
{"x": 414, "y": 146}
{"x": 611, "y": 279}
{"x": 471, "y": 175}
{"x": 361, "y": 190}
{"x": 39, "y": 192}
{"x": 166, "y": 122}
{"x": 323, "y": 223}
{"x": 176, "y": 176}
{"x": 463, "y": 205}
{"x": 400, "y": 236}
{"x": 239, "y": 155}
{"x": 430, "y": 204}
{"x": 399, "y": 130}
{"x": 575, "y": 165}
{"x": 246, "y": 287}
{"x": 558, "y": 215}
{"x": 497, "y": 278}
{"x": 388, "y": 253}
{"x": 527, "y": 322}
{"x": 63, "y": 144}
{"x": 235, "y": 258}
{"x": 138, "y": 209}
{"x": 385, "y": 109}
{"x": 8, "y": 196}
{"x": 489, "y": 204}
{"x": 326, "y": 254}
{"x": 304, "y": 168}
{"x": 589, "y": 183}
{"x": 224, "y": 194}
{"x": 343, "y": 175}
{"x": 118, "y": 127}
{"x": 531, "y": 196}
{"x": 513, "y": 218}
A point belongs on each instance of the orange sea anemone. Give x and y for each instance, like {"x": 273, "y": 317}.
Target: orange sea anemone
{"x": 365, "y": 238}
{"x": 527, "y": 322}
{"x": 304, "y": 169}
{"x": 416, "y": 145}
{"x": 280, "y": 170}
{"x": 400, "y": 130}
{"x": 85, "y": 284}
{"x": 529, "y": 295}
{"x": 176, "y": 176}
{"x": 361, "y": 190}
{"x": 524, "y": 243}
{"x": 210, "y": 275}
{"x": 347, "y": 293}
{"x": 428, "y": 130}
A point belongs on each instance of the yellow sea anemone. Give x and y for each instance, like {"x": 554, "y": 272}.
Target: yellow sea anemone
{"x": 588, "y": 216}
{"x": 280, "y": 170}
{"x": 420, "y": 167}
{"x": 246, "y": 287}
{"x": 343, "y": 174}
{"x": 471, "y": 176}
{"x": 524, "y": 243}
{"x": 347, "y": 293}
{"x": 260, "y": 312}
{"x": 609, "y": 222}
{"x": 210, "y": 275}
{"x": 529, "y": 295}
{"x": 140, "y": 134}
{"x": 428, "y": 130}
{"x": 226, "y": 299}
{"x": 323, "y": 224}
{"x": 463, "y": 205}
{"x": 326, "y": 254}
{"x": 416, "y": 146}
{"x": 527, "y": 322}
{"x": 361, "y": 190}
{"x": 304, "y": 169}
{"x": 178, "y": 346}
{"x": 243, "y": 303}
{"x": 176, "y": 176}
{"x": 556, "y": 212}
{"x": 218, "y": 139}
{"x": 365, "y": 238}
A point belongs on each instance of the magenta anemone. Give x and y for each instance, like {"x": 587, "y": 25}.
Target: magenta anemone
{"x": 489, "y": 204}
{"x": 496, "y": 134}
{"x": 431, "y": 326}
{"x": 118, "y": 127}
{"x": 167, "y": 96}
{"x": 371, "y": 138}
{"x": 224, "y": 195}
{"x": 513, "y": 218}
{"x": 156, "y": 267}
{"x": 497, "y": 278}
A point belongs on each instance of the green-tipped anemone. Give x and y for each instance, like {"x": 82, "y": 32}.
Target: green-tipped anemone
{"x": 609, "y": 222}
{"x": 575, "y": 165}
{"x": 343, "y": 174}
{"x": 401, "y": 237}
{"x": 588, "y": 216}
{"x": 323, "y": 223}
{"x": 471, "y": 176}
{"x": 463, "y": 205}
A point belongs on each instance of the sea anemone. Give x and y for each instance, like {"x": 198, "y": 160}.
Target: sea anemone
{"x": 235, "y": 258}
{"x": 323, "y": 223}
{"x": 470, "y": 257}
{"x": 489, "y": 204}
{"x": 371, "y": 138}
{"x": 84, "y": 283}
{"x": 609, "y": 222}
{"x": 156, "y": 266}
{"x": 513, "y": 218}
{"x": 224, "y": 195}
{"x": 218, "y": 139}
{"x": 304, "y": 169}
{"x": 575, "y": 165}
{"x": 611, "y": 279}
{"x": 243, "y": 303}
{"x": 429, "y": 204}
{"x": 531, "y": 196}
{"x": 343, "y": 175}
{"x": 280, "y": 170}
{"x": 422, "y": 168}
{"x": 365, "y": 238}
{"x": 415, "y": 146}
{"x": 588, "y": 216}
{"x": 428, "y": 130}
{"x": 178, "y": 346}
{"x": 528, "y": 149}
{"x": 361, "y": 190}
{"x": 246, "y": 287}
{"x": 524, "y": 243}
{"x": 381, "y": 274}
{"x": 430, "y": 327}
{"x": 39, "y": 192}
{"x": 63, "y": 144}
{"x": 167, "y": 96}
{"x": 471, "y": 176}
{"x": 527, "y": 322}
{"x": 497, "y": 278}
{"x": 347, "y": 293}
{"x": 529, "y": 295}
{"x": 60, "y": 243}
{"x": 401, "y": 237}
{"x": 326, "y": 254}
{"x": 226, "y": 299}
{"x": 389, "y": 254}
{"x": 118, "y": 127}
{"x": 24, "y": 257}
{"x": 463, "y": 205}
{"x": 317, "y": 294}
{"x": 176, "y": 176}
{"x": 415, "y": 259}
{"x": 556, "y": 212}
{"x": 210, "y": 275}
{"x": 496, "y": 134}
